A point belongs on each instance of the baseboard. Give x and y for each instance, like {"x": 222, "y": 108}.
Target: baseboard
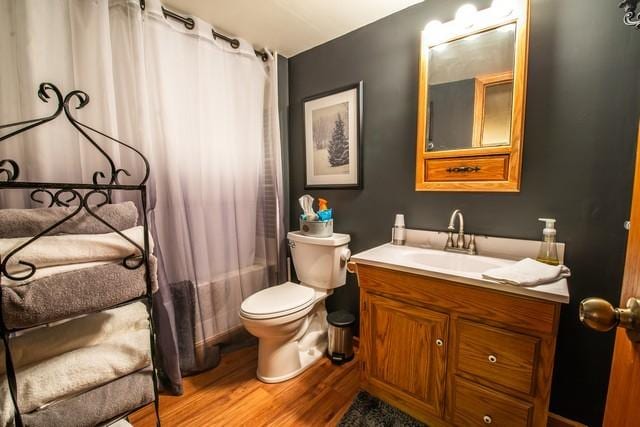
{"x": 557, "y": 421}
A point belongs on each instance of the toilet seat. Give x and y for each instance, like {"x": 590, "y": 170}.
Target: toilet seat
{"x": 277, "y": 301}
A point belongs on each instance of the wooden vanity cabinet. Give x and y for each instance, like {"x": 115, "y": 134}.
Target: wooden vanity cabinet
{"x": 455, "y": 354}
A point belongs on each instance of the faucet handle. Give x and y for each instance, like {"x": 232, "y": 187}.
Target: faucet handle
{"x": 472, "y": 244}
{"x": 449, "y": 243}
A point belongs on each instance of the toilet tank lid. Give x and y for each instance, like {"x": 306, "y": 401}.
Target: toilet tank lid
{"x": 336, "y": 239}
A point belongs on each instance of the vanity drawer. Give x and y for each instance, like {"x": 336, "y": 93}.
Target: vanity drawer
{"x": 474, "y": 405}
{"x": 496, "y": 355}
{"x": 483, "y": 168}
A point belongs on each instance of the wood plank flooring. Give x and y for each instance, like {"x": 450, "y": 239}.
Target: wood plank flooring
{"x": 230, "y": 395}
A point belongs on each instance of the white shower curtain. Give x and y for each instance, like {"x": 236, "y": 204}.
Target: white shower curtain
{"x": 206, "y": 117}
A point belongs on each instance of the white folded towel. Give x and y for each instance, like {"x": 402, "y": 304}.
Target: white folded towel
{"x": 74, "y": 372}
{"x": 66, "y": 249}
{"x": 46, "y": 342}
{"x": 527, "y": 272}
{"x": 90, "y": 351}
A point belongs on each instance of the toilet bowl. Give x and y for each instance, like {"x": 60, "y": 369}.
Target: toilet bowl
{"x": 289, "y": 320}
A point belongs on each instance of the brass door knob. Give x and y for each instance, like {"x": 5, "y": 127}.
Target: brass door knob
{"x": 600, "y": 315}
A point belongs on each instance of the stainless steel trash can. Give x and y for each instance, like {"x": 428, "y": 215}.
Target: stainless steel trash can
{"x": 340, "y": 348}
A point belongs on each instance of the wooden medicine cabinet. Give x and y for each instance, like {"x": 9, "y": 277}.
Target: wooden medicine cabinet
{"x": 472, "y": 87}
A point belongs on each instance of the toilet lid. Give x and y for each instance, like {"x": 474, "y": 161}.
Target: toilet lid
{"x": 277, "y": 301}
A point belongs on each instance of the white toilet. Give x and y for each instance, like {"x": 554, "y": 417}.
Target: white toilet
{"x": 290, "y": 320}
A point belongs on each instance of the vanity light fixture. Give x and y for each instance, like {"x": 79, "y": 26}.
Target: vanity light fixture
{"x": 468, "y": 17}
{"x": 434, "y": 31}
{"x": 502, "y": 8}
{"x": 465, "y": 15}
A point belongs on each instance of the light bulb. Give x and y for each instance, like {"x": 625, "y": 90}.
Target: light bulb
{"x": 502, "y": 8}
{"x": 433, "y": 31}
{"x": 466, "y": 15}
{"x": 433, "y": 26}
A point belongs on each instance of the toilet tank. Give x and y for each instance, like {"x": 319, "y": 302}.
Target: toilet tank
{"x": 320, "y": 262}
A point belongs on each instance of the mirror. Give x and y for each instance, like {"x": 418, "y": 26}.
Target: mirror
{"x": 470, "y": 91}
{"x": 472, "y": 87}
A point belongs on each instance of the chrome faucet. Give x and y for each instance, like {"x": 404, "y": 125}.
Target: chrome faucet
{"x": 459, "y": 245}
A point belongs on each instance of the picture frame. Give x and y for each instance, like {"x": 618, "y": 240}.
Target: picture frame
{"x": 333, "y": 138}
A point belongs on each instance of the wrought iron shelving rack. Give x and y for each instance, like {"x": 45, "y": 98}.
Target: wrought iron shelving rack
{"x": 76, "y": 196}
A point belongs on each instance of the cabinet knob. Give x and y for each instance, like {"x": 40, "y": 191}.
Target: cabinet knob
{"x": 492, "y": 358}
{"x": 439, "y": 342}
{"x": 487, "y": 419}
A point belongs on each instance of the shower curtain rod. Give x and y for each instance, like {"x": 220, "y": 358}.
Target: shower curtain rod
{"x": 189, "y": 24}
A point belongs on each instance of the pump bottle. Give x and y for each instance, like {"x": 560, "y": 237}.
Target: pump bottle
{"x": 548, "y": 249}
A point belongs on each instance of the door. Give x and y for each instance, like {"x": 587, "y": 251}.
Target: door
{"x": 408, "y": 350}
{"x": 623, "y": 407}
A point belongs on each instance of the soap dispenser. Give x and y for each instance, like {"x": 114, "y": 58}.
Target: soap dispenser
{"x": 548, "y": 249}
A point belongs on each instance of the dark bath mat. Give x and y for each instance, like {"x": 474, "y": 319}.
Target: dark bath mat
{"x": 369, "y": 411}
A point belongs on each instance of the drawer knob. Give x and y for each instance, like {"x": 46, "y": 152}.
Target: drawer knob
{"x": 439, "y": 342}
{"x": 492, "y": 358}
{"x": 487, "y": 419}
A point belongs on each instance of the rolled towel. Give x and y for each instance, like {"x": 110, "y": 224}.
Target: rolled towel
{"x": 65, "y": 249}
{"x": 98, "y": 405}
{"x": 75, "y": 372}
{"x": 527, "y": 272}
{"x": 43, "y": 343}
{"x": 30, "y": 222}
{"x": 60, "y": 296}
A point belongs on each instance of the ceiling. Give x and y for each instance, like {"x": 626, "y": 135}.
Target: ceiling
{"x": 288, "y": 26}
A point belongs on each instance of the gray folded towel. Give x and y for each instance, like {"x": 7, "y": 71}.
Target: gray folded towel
{"x": 98, "y": 405}
{"x": 29, "y": 222}
{"x": 73, "y": 293}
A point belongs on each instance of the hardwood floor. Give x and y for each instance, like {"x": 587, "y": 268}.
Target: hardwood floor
{"x": 230, "y": 395}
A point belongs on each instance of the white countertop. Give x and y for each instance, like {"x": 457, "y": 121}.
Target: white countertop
{"x": 461, "y": 268}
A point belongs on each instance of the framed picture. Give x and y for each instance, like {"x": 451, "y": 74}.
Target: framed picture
{"x": 333, "y": 138}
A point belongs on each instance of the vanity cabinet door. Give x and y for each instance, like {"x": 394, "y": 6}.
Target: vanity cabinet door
{"x": 407, "y": 348}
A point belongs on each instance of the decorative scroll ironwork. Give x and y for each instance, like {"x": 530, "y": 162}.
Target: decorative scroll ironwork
{"x": 131, "y": 262}
{"x": 11, "y": 173}
{"x": 67, "y": 195}
{"x": 631, "y": 14}
{"x": 76, "y": 197}
{"x": 9, "y": 169}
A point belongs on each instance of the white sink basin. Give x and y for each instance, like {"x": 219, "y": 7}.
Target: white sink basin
{"x": 437, "y": 261}
{"x": 454, "y": 267}
{"x": 454, "y": 262}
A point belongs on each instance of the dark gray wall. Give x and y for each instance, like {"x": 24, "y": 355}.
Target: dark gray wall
{"x": 581, "y": 122}
{"x": 283, "y": 110}
{"x": 451, "y": 118}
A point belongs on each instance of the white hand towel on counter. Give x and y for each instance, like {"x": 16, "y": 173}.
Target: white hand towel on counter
{"x": 72, "y": 249}
{"x": 527, "y": 272}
